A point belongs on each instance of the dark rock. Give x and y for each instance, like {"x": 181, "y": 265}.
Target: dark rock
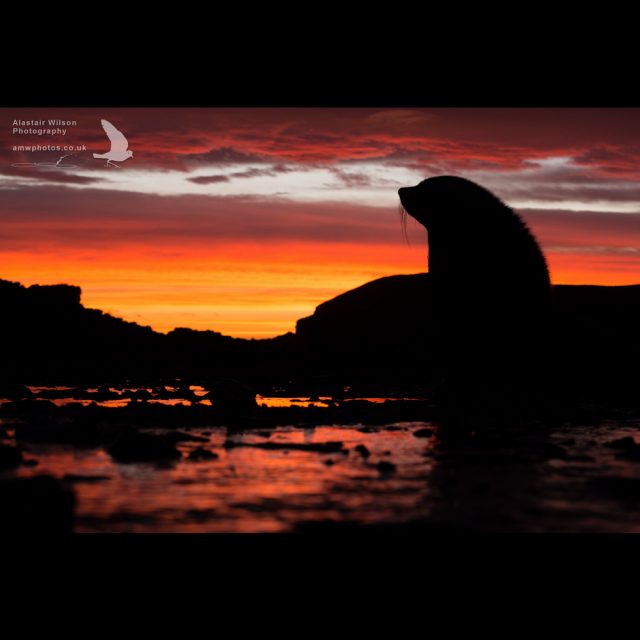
{"x": 329, "y": 462}
{"x": 50, "y": 394}
{"x": 367, "y": 334}
{"x": 134, "y": 446}
{"x": 28, "y": 408}
{"x": 630, "y": 454}
{"x": 386, "y": 468}
{"x": 100, "y": 395}
{"x": 15, "y": 392}
{"x": 79, "y": 433}
{"x": 232, "y": 398}
{"x": 240, "y": 423}
{"x": 423, "y": 433}
{"x": 625, "y": 444}
{"x": 138, "y": 394}
{"x": 618, "y": 487}
{"x": 10, "y": 457}
{"x": 626, "y": 448}
{"x": 40, "y": 505}
{"x": 362, "y": 450}
{"x": 549, "y": 451}
{"x": 581, "y": 458}
{"x": 391, "y": 313}
{"x": 202, "y": 454}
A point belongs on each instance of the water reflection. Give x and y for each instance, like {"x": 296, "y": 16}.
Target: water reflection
{"x": 561, "y": 478}
{"x": 246, "y": 488}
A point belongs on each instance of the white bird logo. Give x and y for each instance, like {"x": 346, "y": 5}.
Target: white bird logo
{"x": 119, "y": 151}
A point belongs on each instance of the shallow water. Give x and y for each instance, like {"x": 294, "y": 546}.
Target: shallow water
{"x": 246, "y": 489}
{"x": 565, "y": 479}
{"x": 198, "y": 391}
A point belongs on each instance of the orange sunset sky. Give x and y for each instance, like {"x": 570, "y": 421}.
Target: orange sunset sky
{"x": 244, "y": 220}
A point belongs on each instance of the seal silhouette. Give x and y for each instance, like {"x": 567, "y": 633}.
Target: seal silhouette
{"x": 489, "y": 279}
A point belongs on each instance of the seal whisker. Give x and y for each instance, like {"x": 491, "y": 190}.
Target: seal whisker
{"x": 403, "y": 222}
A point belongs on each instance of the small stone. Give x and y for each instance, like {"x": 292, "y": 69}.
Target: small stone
{"x": 386, "y": 468}
{"x": 551, "y": 451}
{"x": 202, "y": 454}
{"x": 362, "y": 450}
{"x": 134, "y": 446}
{"x": 10, "y": 457}
{"x": 626, "y": 444}
{"x": 423, "y": 433}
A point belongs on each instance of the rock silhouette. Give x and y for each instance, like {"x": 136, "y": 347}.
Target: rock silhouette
{"x": 375, "y": 336}
{"x": 592, "y": 343}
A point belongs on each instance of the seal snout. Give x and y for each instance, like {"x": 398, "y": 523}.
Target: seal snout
{"x": 405, "y": 194}
{"x": 410, "y": 201}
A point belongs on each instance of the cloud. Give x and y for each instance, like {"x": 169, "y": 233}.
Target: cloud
{"x": 353, "y": 179}
{"x": 209, "y": 179}
{"x": 224, "y": 156}
{"x": 39, "y": 175}
{"x": 621, "y": 160}
{"x": 50, "y": 216}
{"x": 253, "y": 173}
{"x": 585, "y": 231}
{"x": 245, "y": 173}
{"x": 92, "y": 218}
{"x": 604, "y": 140}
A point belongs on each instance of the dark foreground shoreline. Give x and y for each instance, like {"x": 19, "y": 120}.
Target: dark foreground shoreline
{"x": 320, "y": 464}
{"x": 342, "y": 425}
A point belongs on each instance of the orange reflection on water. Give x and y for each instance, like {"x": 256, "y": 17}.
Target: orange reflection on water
{"x": 246, "y": 489}
{"x": 61, "y": 402}
{"x": 292, "y": 402}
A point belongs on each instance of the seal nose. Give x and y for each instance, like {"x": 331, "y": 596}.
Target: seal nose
{"x": 404, "y": 193}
